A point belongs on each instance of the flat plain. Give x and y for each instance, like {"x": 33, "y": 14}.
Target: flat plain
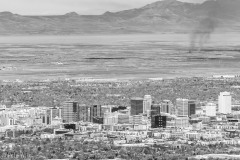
{"x": 116, "y": 56}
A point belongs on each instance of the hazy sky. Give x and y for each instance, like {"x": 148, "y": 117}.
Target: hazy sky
{"x": 50, "y": 7}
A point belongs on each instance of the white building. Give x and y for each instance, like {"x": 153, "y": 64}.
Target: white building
{"x": 182, "y": 122}
{"x": 166, "y": 106}
{"x": 110, "y": 118}
{"x": 137, "y": 119}
{"x": 147, "y": 102}
{"x": 211, "y": 109}
{"x": 8, "y": 118}
{"x": 225, "y": 103}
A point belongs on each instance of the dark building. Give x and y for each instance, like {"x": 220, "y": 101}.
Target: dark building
{"x": 70, "y": 112}
{"x": 115, "y": 109}
{"x": 155, "y": 110}
{"x": 95, "y": 112}
{"x": 159, "y": 122}
{"x": 233, "y": 120}
{"x": 48, "y": 117}
{"x": 70, "y": 126}
{"x": 136, "y": 106}
{"x": 84, "y": 113}
{"x": 98, "y": 120}
{"x": 194, "y": 121}
{"x": 191, "y": 108}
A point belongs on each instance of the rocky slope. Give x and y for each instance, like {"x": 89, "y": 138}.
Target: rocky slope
{"x": 161, "y": 16}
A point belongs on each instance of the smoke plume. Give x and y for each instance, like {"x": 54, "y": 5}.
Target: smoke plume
{"x": 201, "y": 34}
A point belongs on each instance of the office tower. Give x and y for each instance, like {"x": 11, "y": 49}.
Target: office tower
{"x": 159, "y": 122}
{"x": 147, "y": 102}
{"x": 225, "y": 103}
{"x": 70, "y": 112}
{"x": 46, "y": 117}
{"x": 136, "y": 106}
{"x": 55, "y": 112}
{"x": 99, "y": 112}
{"x": 84, "y": 113}
{"x": 191, "y": 108}
{"x": 166, "y": 106}
{"x": 182, "y": 107}
{"x": 50, "y": 114}
{"x": 210, "y": 109}
{"x": 155, "y": 110}
{"x": 95, "y": 112}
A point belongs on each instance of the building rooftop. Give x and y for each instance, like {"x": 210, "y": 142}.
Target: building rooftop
{"x": 136, "y": 98}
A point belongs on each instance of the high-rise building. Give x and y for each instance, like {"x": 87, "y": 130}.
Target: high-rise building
{"x": 210, "y": 109}
{"x": 70, "y": 111}
{"x": 46, "y": 117}
{"x": 182, "y": 107}
{"x": 225, "y": 103}
{"x": 166, "y": 106}
{"x": 147, "y": 102}
{"x": 52, "y": 113}
{"x": 159, "y": 122}
{"x": 136, "y": 106}
{"x": 155, "y": 110}
{"x": 95, "y": 112}
{"x": 84, "y": 112}
{"x": 191, "y": 108}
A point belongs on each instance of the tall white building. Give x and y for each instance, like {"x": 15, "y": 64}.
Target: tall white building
{"x": 166, "y": 106}
{"x": 182, "y": 107}
{"x": 211, "y": 109}
{"x": 147, "y": 102}
{"x": 225, "y": 103}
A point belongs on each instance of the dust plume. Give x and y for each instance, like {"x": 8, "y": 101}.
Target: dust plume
{"x": 201, "y": 34}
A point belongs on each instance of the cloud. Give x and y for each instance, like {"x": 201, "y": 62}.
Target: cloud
{"x": 43, "y": 7}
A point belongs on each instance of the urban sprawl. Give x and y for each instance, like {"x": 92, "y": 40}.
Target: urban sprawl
{"x": 182, "y": 118}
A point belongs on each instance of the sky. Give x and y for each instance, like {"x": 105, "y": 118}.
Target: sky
{"x": 82, "y": 7}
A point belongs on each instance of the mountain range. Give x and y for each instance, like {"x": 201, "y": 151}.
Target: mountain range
{"x": 161, "y": 16}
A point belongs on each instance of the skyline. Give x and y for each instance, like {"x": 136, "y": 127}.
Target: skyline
{"x": 82, "y": 7}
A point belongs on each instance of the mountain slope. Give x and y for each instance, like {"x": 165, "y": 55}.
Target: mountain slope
{"x": 167, "y": 15}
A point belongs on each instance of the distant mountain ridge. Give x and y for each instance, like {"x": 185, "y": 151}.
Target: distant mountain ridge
{"x": 160, "y": 16}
